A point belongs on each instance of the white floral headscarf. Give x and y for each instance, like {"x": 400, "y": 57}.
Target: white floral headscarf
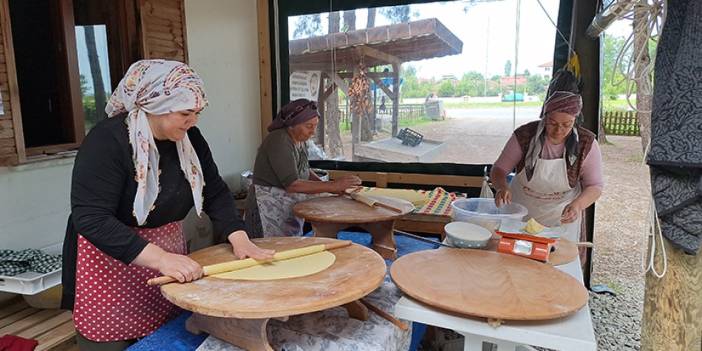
{"x": 158, "y": 87}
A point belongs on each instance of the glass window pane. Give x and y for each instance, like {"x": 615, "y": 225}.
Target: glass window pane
{"x": 94, "y": 68}
{"x": 468, "y": 74}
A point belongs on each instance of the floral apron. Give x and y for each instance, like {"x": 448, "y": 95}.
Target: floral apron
{"x": 113, "y": 301}
{"x": 273, "y": 209}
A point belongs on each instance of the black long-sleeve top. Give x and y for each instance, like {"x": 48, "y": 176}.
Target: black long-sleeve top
{"x": 103, "y": 190}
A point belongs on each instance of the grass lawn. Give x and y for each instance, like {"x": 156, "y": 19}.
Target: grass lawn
{"x": 616, "y": 105}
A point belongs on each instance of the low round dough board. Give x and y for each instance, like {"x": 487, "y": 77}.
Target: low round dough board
{"x": 356, "y": 272}
{"x": 566, "y": 251}
{"x": 340, "y": 209}
{"x": 488, "y": 284}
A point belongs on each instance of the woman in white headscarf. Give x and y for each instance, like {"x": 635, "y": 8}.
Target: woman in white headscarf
{"x": 135, "y": 178}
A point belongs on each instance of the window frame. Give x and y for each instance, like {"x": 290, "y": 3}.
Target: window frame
{"x": 123, "y": 41}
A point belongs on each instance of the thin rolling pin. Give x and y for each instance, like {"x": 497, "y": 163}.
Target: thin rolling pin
{"x": 250, "y": 262}
{"x": 400, "y": 324}
{"x": 421, "y": 238}
{"x": 372, "y": 202}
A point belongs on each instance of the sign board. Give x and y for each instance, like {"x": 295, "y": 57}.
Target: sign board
{"x": 305, "y": 85}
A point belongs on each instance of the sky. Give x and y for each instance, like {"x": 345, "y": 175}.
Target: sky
{"x": 488, "y": 33}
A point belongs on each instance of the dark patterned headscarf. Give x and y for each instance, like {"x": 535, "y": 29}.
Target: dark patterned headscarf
{"x": 294, "y": 113}
{"x": 558, "y": 101}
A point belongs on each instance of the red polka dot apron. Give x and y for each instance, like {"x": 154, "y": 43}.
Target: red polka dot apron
{"x": 113, "y": 301}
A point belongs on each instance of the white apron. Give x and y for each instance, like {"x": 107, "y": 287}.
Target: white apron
{"x": 547, "y": 194}
{"x": 275, "y": 208}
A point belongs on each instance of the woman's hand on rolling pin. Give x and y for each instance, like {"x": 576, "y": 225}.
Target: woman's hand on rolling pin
{"x": 503, "y": 197}
{"x": 243, "y": 247}
{"x": 345, "y": 182}
{"x": 571, "y": 212}
{"x": 180, "y": 267}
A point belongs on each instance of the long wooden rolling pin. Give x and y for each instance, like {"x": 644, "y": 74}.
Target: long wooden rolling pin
{"x": 250, "y": 262}
{"x": 370, "y": 201}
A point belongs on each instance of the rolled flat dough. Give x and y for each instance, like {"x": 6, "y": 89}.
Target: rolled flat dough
{"x": 290, "y": 268}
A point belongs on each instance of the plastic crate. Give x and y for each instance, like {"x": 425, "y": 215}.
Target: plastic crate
{"x": 30, "y": 283}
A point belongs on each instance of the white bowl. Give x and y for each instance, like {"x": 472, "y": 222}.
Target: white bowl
{"x": 467, "y": 235}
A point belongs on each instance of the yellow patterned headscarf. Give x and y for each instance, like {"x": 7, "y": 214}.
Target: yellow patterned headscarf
{"x": 158, "y": 87}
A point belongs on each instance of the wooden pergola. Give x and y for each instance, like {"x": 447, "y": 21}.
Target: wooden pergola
{"x": 338, "y": 55}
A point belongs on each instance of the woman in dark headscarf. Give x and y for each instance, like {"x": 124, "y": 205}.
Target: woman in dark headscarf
{"x": 282, "y": 175}
{"x": 558, "y": 165}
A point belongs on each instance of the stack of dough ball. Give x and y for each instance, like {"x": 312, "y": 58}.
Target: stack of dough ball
{"x": 533, "y": 227}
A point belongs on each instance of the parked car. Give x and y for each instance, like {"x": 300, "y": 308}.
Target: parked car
{"x": 512, "y": 97}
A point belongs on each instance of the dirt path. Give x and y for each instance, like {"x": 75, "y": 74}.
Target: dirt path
{"x": 621, "y": 225}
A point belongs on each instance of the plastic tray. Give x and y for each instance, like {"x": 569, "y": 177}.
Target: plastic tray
{"x": 30, "y": 283}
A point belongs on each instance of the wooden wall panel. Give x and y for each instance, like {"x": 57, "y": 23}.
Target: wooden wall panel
{"x": 163, "y": 33}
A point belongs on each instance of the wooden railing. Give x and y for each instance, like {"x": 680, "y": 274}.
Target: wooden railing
{"x": 621, "y": 123}
{"x": 406, "y": 112}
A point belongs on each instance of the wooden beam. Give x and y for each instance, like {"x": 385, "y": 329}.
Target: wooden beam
{"x": 387, "y": 91}
{"x": 264, "y": 66}
{"x": 12, "y": 81}
{"x": 375, "y": 53}
{"x": 73, "y": 116}
{"x": 348, "y": 75}
{"x": 340, "y": 82}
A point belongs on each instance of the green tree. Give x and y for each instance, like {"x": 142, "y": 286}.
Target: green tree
{"x": 471, "y": 84}
{"x": 536, "y": 84}
{"x": 349, "y": 21}
{"x": 370, "y": 21}
{"x": 83, "y": 85}
{"x": 508, "y": 68}
{"x": 307, "y": 26}
{"x": 612, "y": 81}
{"x": 446, "y": 89}
{"x": 397, "y": 14}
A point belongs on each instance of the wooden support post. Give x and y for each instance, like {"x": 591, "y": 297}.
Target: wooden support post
{"x": 320, "y": 108}
{"x": 355, "y": 123}
{"x": 356, "y": 310}
{"x": 249, "y": 334}
{"x": 395, "y": 98}
{"x": 672, "y": 318}
{"x": 264, "y": 66}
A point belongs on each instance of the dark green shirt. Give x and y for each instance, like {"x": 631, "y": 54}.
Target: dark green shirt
{"x": 280, "y": 161}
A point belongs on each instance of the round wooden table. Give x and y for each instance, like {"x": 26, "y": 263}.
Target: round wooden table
{"x": 329, "y": 215}
{"x": 238, "y": 311}
{"x": 488, "y": 284}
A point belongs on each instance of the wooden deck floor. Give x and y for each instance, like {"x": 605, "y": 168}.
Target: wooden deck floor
{"x": 51, "y": 327}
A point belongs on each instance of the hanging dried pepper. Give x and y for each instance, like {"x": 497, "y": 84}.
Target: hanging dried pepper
{"x": 359, "y": 92}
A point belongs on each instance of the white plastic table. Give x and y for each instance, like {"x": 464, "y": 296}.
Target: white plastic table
{"x": 572, "y": 333}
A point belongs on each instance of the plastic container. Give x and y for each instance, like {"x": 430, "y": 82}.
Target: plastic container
{"x": 483, "y": 212}
{"x": 30, "y": 283}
